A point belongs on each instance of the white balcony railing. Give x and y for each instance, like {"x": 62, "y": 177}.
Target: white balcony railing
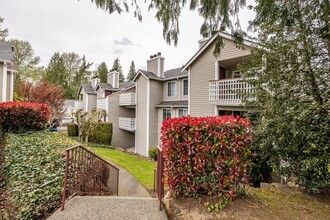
{"x": 127, "y": 99}
{"x": 228, "y": 91}
{"x": 127, "y": 124}
{"x": 100, "y": 104}
{"x": 78, "y": 105}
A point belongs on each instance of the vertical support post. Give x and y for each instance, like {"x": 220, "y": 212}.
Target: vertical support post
{"x": 160, "y": 177}
{"x": 65, "y": 179}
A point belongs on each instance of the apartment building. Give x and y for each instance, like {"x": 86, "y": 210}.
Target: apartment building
{"x": 215, "y": 83}
{"x": 7, "y": 71}
{"x": 207, "y": 85}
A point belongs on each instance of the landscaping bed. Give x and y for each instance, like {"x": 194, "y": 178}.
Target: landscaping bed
{"x": 33, "y": 171}
{"x": 271, "y": 201}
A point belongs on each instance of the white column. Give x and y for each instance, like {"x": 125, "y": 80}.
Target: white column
{"x": 4, "y": 82}
{"x": 11, "y": 93}
{"x": 216, "y": 70}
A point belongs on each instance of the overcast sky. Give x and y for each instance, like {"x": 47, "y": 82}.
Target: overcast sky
{"x": 78, "y": 26}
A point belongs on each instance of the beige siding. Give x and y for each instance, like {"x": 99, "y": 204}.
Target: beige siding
{"x": 141, "y": 116}
{"x": 1, "y": 70}
{"x": 156, "y": 95}
{"x": 100, "y": 93}
{"x": 91, "y": 102}
{"x": 230, "y": 51}
{"x": 152, "y": 66}
{"x": 202, "y": 71}
{"x": 110, "y": 79}
{"x": 120, "y": 137}
{"x": 179, "y": 91}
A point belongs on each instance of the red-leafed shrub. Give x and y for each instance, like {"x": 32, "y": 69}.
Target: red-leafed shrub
{"x": 206, "y": 155}
{"x": 23, "y": 116}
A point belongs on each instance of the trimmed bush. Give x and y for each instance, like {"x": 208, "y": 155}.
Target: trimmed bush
{"x": 207, "y": 155}
{"x": 20, "y": 117}
{"x": 73, "y": 129}
{"x": 153, "y": 153}
{"x": 102, "y": 134}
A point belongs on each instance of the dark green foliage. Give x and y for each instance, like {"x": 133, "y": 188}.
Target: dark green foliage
{"x": 132, "y": 72}
{"x": 102, "y": 71}
{"x": 116, "y": 66}
{"x": 261, "y": 171}
{"x": 291, "y": 76}
{"x": 153, "y": 153}
{"x": 73, "y": 129}
{"x": 102, "y": 134}
{"x": 33, "y": 172}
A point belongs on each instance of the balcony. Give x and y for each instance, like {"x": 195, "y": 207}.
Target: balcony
{"x": 78, "y": 105}
{"x": 127, "y": 124}
{"x": 100, "y": 104}
{"x": 127, "y": 99}
{"x": 228, "y": 92}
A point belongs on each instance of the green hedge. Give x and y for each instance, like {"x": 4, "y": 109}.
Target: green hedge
{"x": 153, "y": 153}
{"x": 102, "y": 134}
{"x": 73, "y": 129}
{"x": 33, "y": 172}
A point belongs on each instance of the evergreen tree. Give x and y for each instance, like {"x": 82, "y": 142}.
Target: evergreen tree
{"x": 132, "y": 72}
{"x": 57, "y": 73}
{"x": 116, "y": 66}
{"x": 102, "y": 71}
{"x": 3, "y": 32}
{"x": 292, "y": 89}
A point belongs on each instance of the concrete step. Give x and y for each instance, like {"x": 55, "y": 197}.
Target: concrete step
{"x": 110, "y": 207}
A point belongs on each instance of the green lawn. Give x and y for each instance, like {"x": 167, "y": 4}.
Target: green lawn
{"x": 142, "y": 170}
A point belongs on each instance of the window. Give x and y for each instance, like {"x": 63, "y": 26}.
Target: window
{"x": 185, "y": 87}
{"x": 166, "y": 114}
{"x": 171, "y": 88}
{"x": 183, "y": 112}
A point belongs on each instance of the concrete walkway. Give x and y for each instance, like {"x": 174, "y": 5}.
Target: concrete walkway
{"x": 112, "y": 208}
{"x": 133, "y": 202}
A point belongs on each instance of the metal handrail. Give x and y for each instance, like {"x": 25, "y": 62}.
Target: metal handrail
{"x": 88, "y": 174}
{"x": 160, "y": 177}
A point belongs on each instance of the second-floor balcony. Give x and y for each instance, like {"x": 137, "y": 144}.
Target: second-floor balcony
{"x": 228, "y": 92}
{"x": 78, "y": 105}
{"x": 127, "y": 99}
{"x": 127, "y": 124}
{"x": 100, "y": 104}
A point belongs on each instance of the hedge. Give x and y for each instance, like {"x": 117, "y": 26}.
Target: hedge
{"x": 102, "y": 134}
{"x": 23, "y": 116}
{"x": 73, "y": 129}
{"x": 206, "y": 155}
{"x": 33, "y": 172}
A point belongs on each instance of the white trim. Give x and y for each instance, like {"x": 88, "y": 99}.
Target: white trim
{"x": 216, "y": 70}
{"x": 148, "y": 119}
{"x": 176, "y": 92}
{"x": 137, "y": 118}
{"x": 182, "y": 90}
{"x": 158, "y": 68}
{"x": 201, "y": 50}
{"x": 215, "y": 110}
{"x": 139, "y": 72}
{"x": 189, "y": 85}
{"x": 11, "y": 92}
{"x": 4, "y": 82}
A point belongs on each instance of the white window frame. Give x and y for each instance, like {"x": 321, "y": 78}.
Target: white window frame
{"x": 184, "y": 111}
{"x": 183, "y": 87}
{"x": 166, "y": 111}
{"x": 169, "y": 92}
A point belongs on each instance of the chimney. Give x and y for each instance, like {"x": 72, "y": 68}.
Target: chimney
{"x": 113, "y": 79}
{"x": 202, "y": 42}
{"x": 156, "y": 64}
{"x": 94, "y": 82}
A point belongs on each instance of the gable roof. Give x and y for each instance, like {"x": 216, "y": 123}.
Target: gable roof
{"x": 87, "y": 88}
{"x": 6, "y": 52}
{"x": 169, "y": 74}
{"x": 209, "y": 42}
{"x": 126, "y": 85}
{"x": 105, "y": 86}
